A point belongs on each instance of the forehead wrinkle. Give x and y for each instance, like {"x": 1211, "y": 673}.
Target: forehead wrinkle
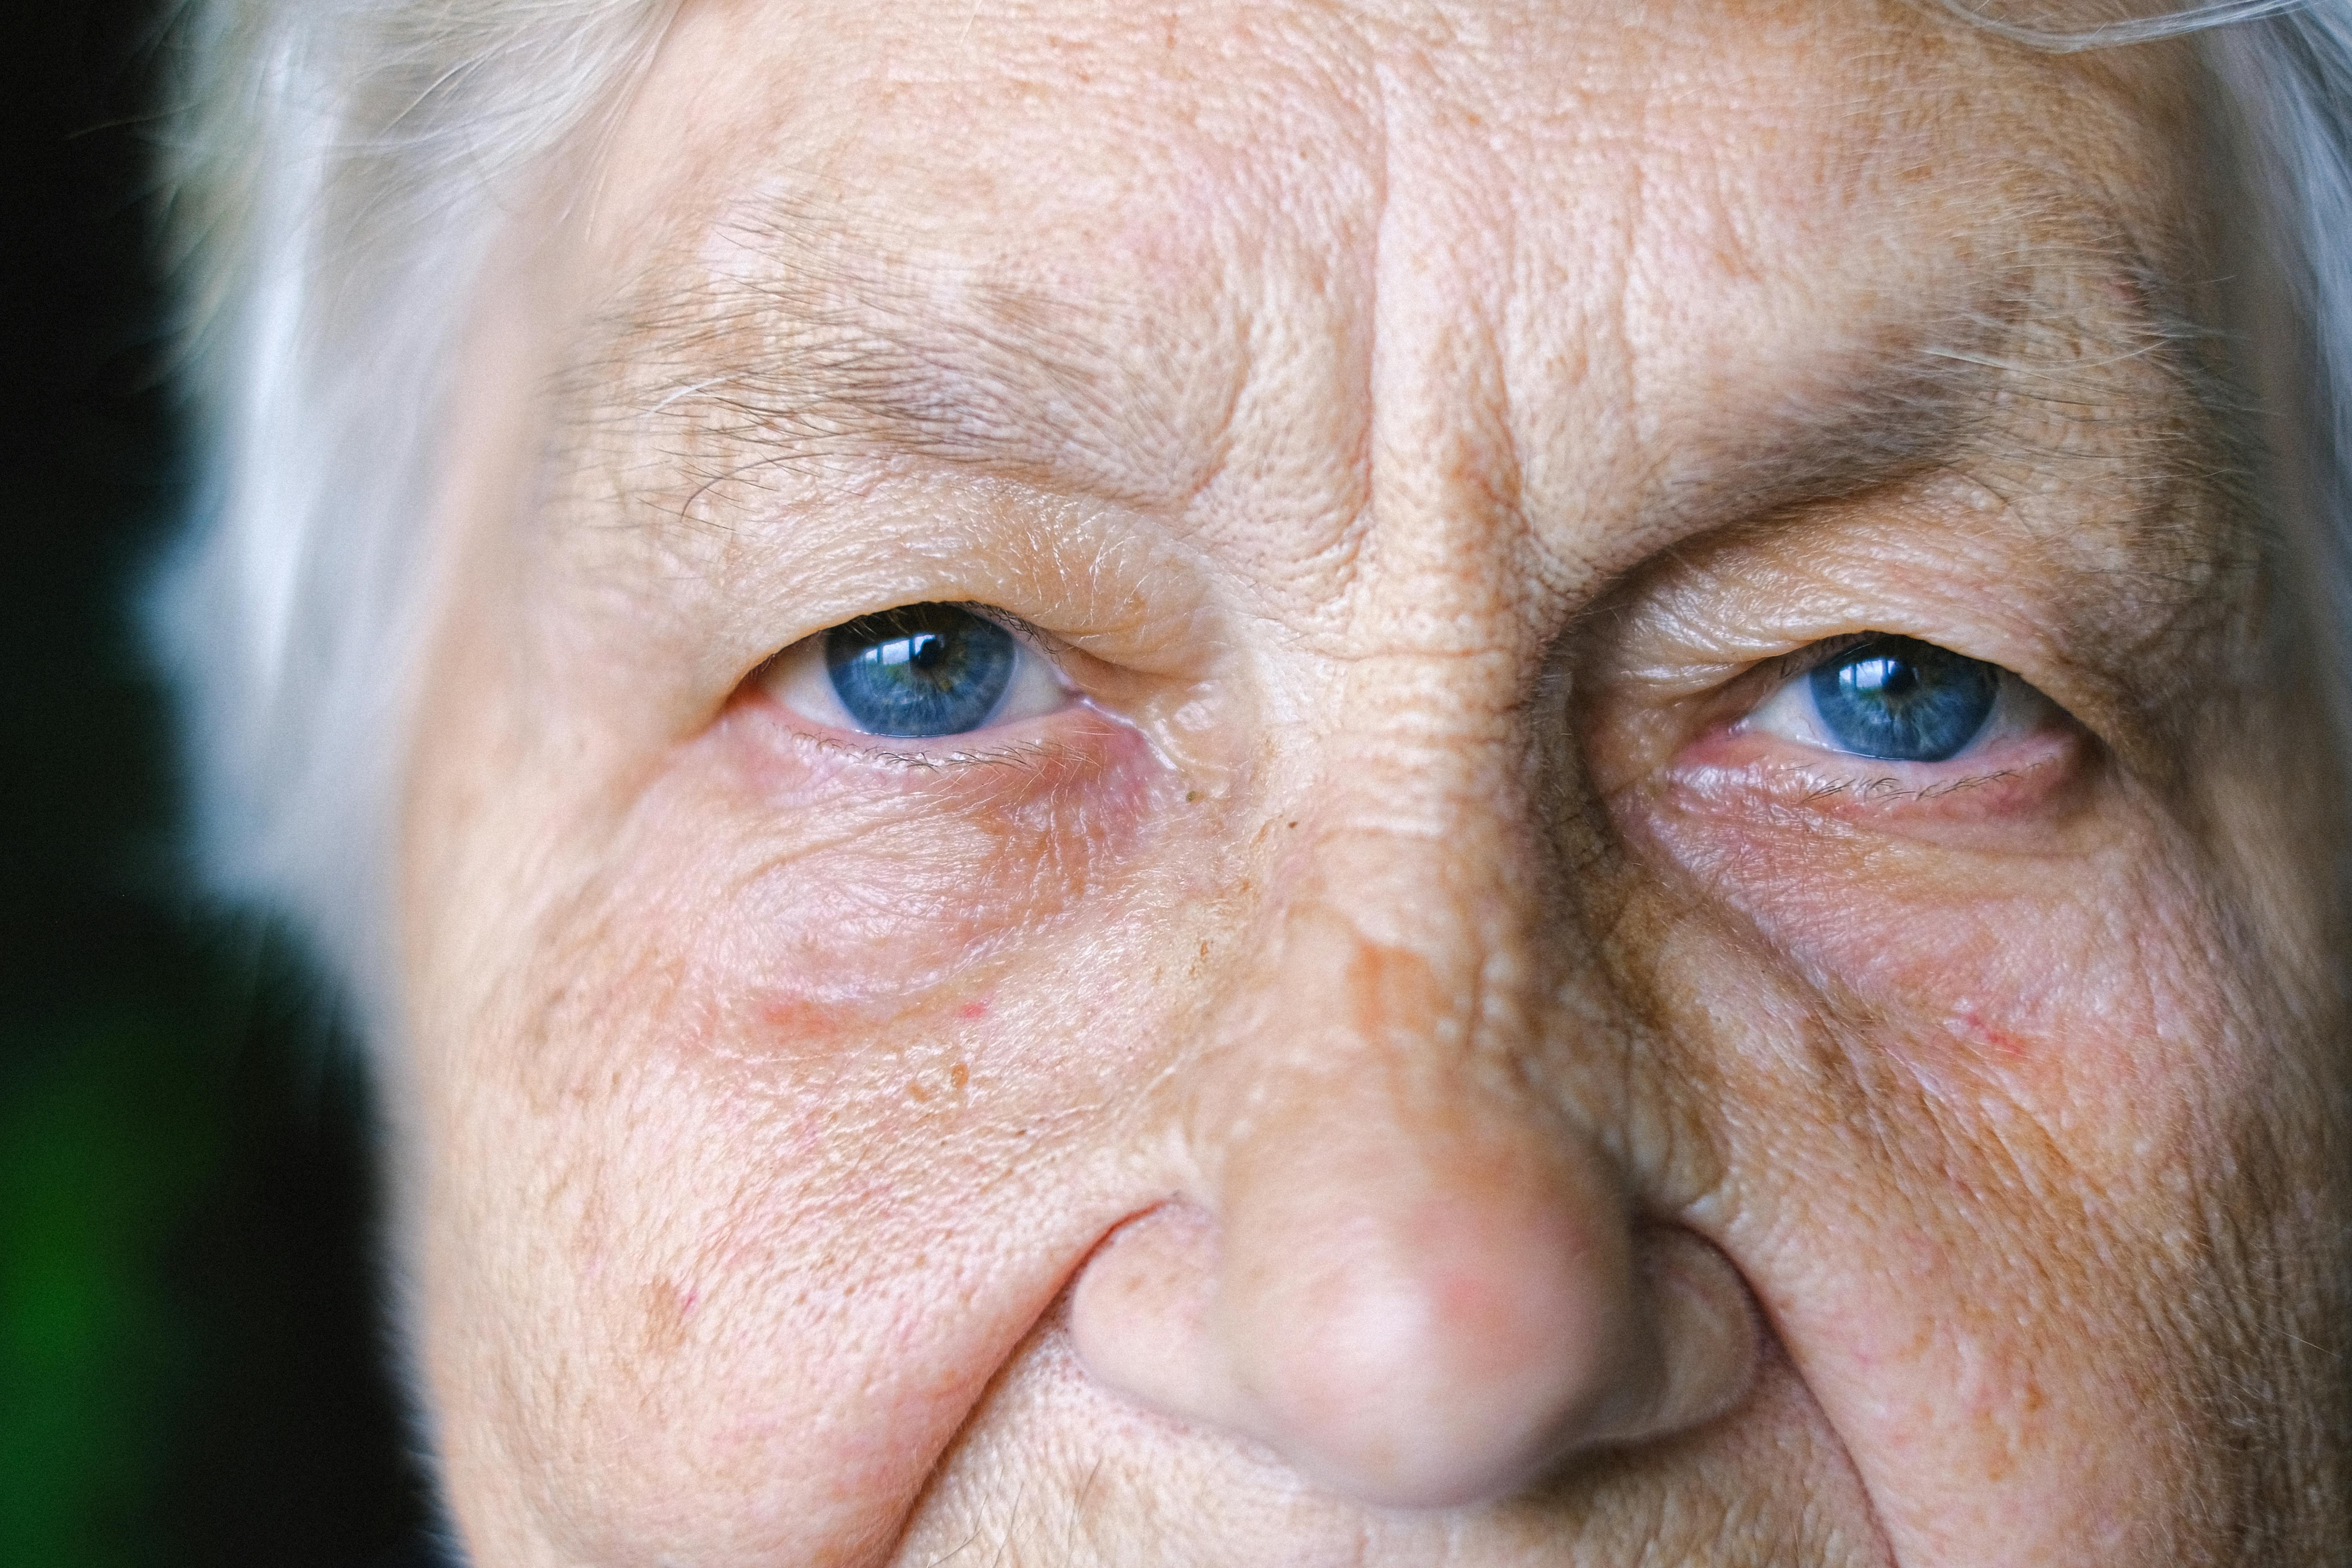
{"x": 798, "y": 358}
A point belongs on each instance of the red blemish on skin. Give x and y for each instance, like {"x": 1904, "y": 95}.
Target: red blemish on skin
{"x": 800, "y": 1019}
{"x": 1972, "y": 1027}
{"x": 972, "y": 1010}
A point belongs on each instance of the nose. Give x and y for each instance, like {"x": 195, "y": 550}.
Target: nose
{"x": 1388, "y": 1257}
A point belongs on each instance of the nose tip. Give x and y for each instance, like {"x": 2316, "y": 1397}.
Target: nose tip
{"x": 1450, "y": 1360}
{"x": 1417, "y": 1287}
{"x": 1441, "y": 1352}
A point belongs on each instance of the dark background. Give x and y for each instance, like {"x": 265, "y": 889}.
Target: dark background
{"x": 191, "y": 1344}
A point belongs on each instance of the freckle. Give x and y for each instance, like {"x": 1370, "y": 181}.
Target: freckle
{"x": 1392, "y": 991}
{"x": 805, "y": 1020}
{"x": 1294, "y": 825}
{"x": 958, "y": 1076}
{"x": 667, "y": 1308}
{"x": 916, "y": 1092}
{"x": 1192, "y": 796}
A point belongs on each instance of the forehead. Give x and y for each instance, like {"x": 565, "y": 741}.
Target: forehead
{"x": 1714, "y": 131}
{"x": 1674, "y": 256}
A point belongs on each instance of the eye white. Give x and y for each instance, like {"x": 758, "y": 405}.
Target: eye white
{"x": 800, "y": 680}
{"x": 1792, "y": 710}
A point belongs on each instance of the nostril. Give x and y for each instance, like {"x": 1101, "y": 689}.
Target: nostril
{"x": 1710, "y": 1333}
{"x": 1138, "y": 1314}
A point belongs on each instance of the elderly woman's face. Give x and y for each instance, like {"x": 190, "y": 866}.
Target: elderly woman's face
{"x": 1381, "y": 784}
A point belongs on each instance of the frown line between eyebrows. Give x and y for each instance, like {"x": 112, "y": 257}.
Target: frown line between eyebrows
{"x": 795, "y": 358}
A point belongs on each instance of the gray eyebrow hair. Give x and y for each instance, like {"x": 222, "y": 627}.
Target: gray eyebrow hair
{"x": 817, "y": 358}
{"x": 2013, "y": 381}
{"x": 814, "y": 358}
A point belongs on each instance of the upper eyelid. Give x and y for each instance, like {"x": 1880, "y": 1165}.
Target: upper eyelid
{"x": 1813, "y": 655}
{"x": 1751, "y": 674}
{"x": 1053, "y": 649}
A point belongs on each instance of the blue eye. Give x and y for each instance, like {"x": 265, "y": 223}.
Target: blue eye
{"x": 922, "y": 671}
{"x": 1900, "y": 700}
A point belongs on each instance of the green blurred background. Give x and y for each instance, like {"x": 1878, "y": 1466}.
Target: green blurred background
{"x": 191, "y": 1343}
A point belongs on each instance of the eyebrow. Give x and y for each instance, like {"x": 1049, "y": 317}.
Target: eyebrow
{"x": 2009, "y": 380}
{"x": 813, "y": 359}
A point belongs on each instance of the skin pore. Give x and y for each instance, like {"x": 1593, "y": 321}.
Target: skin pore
{"x": 1409, "y": 1044}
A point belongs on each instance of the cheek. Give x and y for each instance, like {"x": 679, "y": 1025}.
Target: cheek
{"x": 845, "y": 888}
{"x": 2094, "y": 970}
{"x": 2005, "y": 1138}
{"x": 769, "y": 1090}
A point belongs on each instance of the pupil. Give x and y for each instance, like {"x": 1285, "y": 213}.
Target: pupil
{"x": 1899, "y": 699}
{"x": 920, "y": 672}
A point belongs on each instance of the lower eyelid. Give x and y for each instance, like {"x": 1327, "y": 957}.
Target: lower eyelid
{"x": 1753, "y": 779}
{"x": 1082, "y": 758}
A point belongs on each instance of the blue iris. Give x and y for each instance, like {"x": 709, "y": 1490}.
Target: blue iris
{"x": 1898, "y": 700}
{"x": 921, "y": 671}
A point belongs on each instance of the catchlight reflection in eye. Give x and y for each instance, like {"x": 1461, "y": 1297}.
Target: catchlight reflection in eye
{"x": 1899, "y": 700}
{"x": 916, "y": 672}
{"x": 1890, "y": 699}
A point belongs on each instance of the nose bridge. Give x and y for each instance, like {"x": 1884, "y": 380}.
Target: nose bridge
{"x": 1398, "y": 948}
{"x": 1392, "y": 969}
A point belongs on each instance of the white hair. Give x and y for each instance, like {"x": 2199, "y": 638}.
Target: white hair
{"x": 349, "y": 164}
{"x": 345, "y": 167}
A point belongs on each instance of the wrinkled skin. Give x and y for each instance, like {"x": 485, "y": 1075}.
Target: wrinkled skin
{"x": 1399, "y": 1057}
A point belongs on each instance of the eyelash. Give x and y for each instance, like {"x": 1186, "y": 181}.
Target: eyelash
{"x": 920, "y": 673}
{"x": 897, "y": 648}
{"x": 1913, "y": 706}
